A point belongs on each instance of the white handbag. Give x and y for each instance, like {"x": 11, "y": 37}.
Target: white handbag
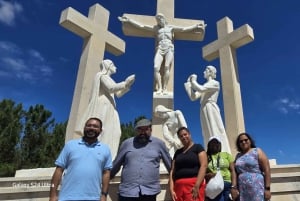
{"x": 216, "y": 184}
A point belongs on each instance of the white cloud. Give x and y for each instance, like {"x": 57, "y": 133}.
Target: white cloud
{"x": 36, "y": 55}
{"x": 283, "y": 110}
{"x": 295, "y": 106}
{"x": 14, "y": 64}
{"x": 8, "y": 47}
{"x": 284, "y": 100}
{"x": 288, "y": 104}
{"x": 9, "y": 12}
{"x": 17, "y": 63}
{"x": 281, "y": 152}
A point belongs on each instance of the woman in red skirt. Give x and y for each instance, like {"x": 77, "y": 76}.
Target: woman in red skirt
{"x": 188, "y": 170}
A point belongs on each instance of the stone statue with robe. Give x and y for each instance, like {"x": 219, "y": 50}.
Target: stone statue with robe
{"x": 210, "y": 116}
{"x": 173, "y": 120}
{"x": 103, "y": 106}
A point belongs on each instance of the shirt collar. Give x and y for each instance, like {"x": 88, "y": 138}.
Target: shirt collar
{"x": 97, "y": 143}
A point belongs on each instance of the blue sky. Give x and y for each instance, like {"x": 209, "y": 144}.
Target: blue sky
{"x": 39, "y": 61}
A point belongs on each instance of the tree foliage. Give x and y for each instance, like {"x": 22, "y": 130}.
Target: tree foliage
{"x": 54, "y": 143}
{"x": 28, "y": 138}
{"x": 37, "y": 129}
{"x": 32, "y": 139}
{"x": 10, "y": 129}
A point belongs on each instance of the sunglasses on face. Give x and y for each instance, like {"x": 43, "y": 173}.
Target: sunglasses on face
{"x": 244, "y": 140}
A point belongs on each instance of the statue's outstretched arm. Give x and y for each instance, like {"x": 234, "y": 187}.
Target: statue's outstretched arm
{"x": 125, "y": 19}
{"x": 196, "y": 27}
{"x": 128, "y": 82}
{"x": 111, "y": 86}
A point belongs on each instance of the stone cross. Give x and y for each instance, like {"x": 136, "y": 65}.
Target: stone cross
{"x": 225, "y": 48}
{"x": 166, "y": 7}
{"x": 93, "y": 29}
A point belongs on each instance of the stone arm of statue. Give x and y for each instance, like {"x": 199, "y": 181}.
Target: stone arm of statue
{"x": 128, "y": 82}
{"x": 111, "y": 86}
{"x": 211, "y": 85}
{"x": 167, "y": 134}
{"x": 180, "y": 118}
{"x": 196, "y": 27}
{"x": 125, "y": 19}
{"x": 193, "y": 95}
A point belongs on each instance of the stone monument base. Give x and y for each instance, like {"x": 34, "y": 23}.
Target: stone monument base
{"x": 38, "y": 172}
{"x": 285, "y": 185}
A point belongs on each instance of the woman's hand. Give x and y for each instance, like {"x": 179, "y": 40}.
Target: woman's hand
{"x": 173, "y": 195}
{"x": 195, "y": 192}
{"x": 234, "y": 193}
{"x": 267, "y": 194}
{"x": 208, "y": 176}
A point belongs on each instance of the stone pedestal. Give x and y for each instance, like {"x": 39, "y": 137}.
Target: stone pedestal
{"x": 285, "y": 185}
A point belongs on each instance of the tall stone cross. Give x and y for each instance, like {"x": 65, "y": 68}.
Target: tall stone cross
{"x": 97, "y": 39}
{"x": 225, "y": 48}
{"x": 166, "y": 7}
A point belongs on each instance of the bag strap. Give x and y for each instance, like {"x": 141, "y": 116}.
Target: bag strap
{"x": 218, "y": 162}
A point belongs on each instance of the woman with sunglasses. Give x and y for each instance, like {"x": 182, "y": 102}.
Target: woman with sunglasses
{"x": 252, "y": 178}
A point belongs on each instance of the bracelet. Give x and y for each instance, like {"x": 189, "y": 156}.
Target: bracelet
{"x": 233, "y": 187}
{"x": 267, "y": 188}
{"x": 104, "y": 193}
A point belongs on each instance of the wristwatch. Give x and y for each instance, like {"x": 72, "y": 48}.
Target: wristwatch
{"x": 104, "y": 193}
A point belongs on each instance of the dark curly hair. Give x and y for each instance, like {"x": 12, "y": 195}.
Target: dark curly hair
{"x": 182, "y": 128}
{"x": 237, "y": 142}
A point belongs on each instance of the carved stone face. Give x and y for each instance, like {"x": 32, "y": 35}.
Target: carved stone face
{"x": 160, "y": 19}
{"x": 210, "y": 71}
{"x": 206, "y": 73}
{"x": 112, "y": 68}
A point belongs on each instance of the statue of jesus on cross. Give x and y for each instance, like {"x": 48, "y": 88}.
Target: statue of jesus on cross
{"x": 164, "y": 46}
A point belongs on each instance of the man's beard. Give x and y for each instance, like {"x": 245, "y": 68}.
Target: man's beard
{"x": 142, "y": 138}
{"x": 90, "y": 134}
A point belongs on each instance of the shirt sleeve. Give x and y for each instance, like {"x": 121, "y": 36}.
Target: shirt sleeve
{"x": 62, "y": 159}
{"x": 230, "y": 157}
{"x": 118, "y": 161}
{"x": 108, "y": 163}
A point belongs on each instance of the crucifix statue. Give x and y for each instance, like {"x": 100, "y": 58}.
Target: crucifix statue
{"x": 165, "y": 28}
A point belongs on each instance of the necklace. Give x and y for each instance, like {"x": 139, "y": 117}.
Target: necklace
{"x": 186, "y": 149}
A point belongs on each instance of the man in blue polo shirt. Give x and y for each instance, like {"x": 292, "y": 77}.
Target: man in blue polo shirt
{"x": 140, "y": 157}
{"x": 83, "y": 166}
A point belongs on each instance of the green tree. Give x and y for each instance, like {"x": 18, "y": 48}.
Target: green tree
{"x": 10, "y": 129}
{"x": 55, "y": 143}
{"x": 38, "y": 126}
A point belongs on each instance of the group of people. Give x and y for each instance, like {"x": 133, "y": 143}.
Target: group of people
{"x": 84, "y": 168}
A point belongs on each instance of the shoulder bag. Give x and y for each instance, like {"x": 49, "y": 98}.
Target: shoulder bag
{"x": 216, "y": 184}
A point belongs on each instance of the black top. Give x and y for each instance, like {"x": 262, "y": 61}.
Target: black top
{"x": 187, "y": 164}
